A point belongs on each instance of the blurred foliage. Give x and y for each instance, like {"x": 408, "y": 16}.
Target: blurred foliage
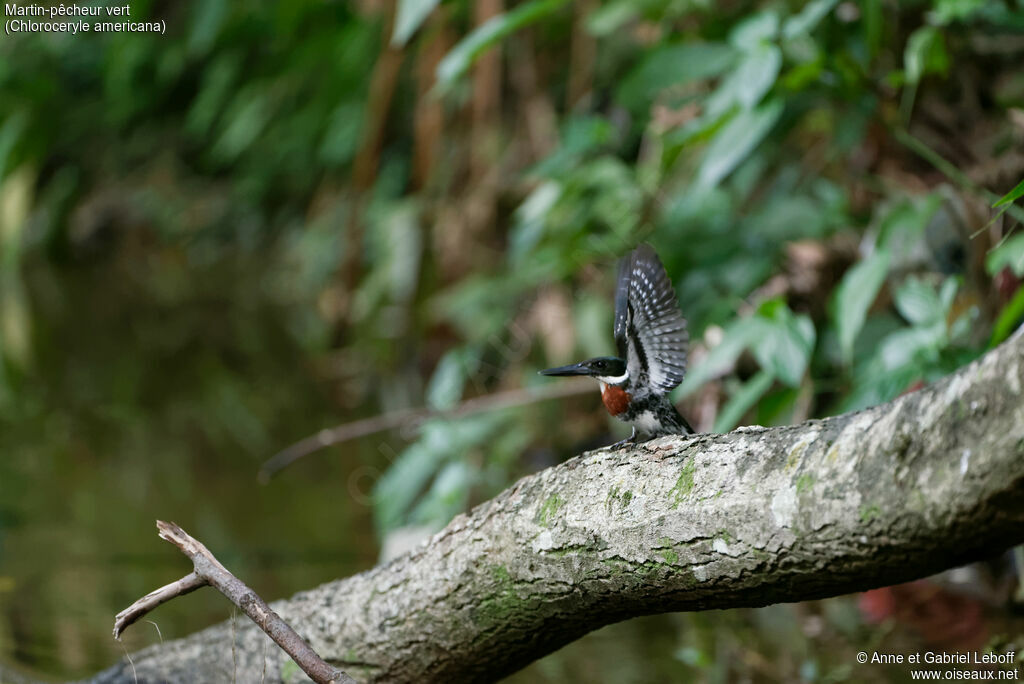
{"x": 428, "y": 199}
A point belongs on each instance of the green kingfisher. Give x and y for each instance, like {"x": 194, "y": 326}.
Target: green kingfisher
{"x": 650, "y": 333}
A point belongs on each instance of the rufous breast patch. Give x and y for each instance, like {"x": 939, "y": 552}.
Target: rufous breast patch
{"x": 615, "y": 399}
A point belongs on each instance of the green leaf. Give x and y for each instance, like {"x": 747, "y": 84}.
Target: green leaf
{"x": 903, "y": 224}
{"x": 395, "y": 492}
{"x": 580, "y": 136}
{"x": 918, "y": 302}
{"x": 1009, "y": 318}
{"x": 410, "y": 16}
{"x": 396, "y": 244}
{"x": 529, "y": 220}
{"x": 787, "y": 217}
{"x": 446, "y": 498}
{"x": 461, "y": 57}
{"x": 735, "y": 140}
{"x": 854, "y": 297}
{"x": 673, "y": 66}
{"x": 478, "y": 306}
{"x": 17, "y": 196}
{"x": 610, "y": 17}
{"x": 1009, "y": 254}
{"x": 875, "y": 384}
{"x": 925, "y": 54}
{"x": 448, "y": 380}
{"x": 218, "y": 83}
{"x": 801, "y": 76}
{"x": 343, "y": 132}
{"x": 12, "y": 131}
{"x": 808, "y": 18}
{"x": 1011, "y": 196}
{"x": 246, "y": 119}
{"x": 947, "y": 11}
{"x": 440, "y": 442}
{"x": 906, "y": 347}
{"x": 741, "y": 401}
{"x": 785, "y": 345}
{"x": 757, "y": 73}
{"x": 701, "y": 129}
{"x": 207, "y": 20}
{"x": 947, "y": 292}
{"x": 590, "y": 316}
{"x": 757, "y": 29}
{"x": 738, "y": 336}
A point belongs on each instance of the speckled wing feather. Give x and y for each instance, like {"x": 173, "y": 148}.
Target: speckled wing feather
{"x": 650, "y": 331}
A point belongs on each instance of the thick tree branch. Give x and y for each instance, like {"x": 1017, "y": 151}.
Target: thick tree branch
{"x": 210, "y": 571}
{"x": 929, "y": 481}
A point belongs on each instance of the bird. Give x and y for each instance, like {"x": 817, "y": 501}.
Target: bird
{"x": 652, "y": 340}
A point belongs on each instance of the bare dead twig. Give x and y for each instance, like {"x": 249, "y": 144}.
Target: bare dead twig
{"x": 209, "y": 571}
{"x": 396, "y": 419}
{"x": 185, "y": 585}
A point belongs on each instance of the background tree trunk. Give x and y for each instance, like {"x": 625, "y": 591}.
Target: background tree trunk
{"x": 929, "y": 481}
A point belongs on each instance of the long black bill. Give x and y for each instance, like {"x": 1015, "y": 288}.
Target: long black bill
{"x": 572, "y": 369}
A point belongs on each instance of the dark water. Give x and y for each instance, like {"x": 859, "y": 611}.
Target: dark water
{"x": 154, "y": 389}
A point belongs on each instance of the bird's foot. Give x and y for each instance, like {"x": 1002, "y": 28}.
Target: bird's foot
{"x": 623, "y": 443}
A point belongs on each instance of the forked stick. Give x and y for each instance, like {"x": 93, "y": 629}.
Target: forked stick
{"x": 207, "y": 570}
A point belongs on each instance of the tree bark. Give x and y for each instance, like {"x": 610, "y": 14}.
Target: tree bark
{"x": 927, "y": 482}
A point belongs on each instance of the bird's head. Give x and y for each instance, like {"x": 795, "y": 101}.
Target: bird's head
{"x": 608, "y": 369}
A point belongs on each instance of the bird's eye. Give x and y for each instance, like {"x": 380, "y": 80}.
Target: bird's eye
{"x": 600, "y": 364}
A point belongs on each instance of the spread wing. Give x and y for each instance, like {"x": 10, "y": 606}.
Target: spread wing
{"x": 650, "y": 331}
